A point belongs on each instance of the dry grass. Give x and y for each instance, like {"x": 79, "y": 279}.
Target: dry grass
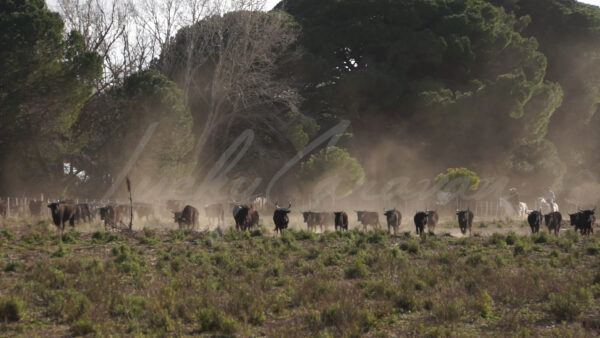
{"x": 155, "y": 282}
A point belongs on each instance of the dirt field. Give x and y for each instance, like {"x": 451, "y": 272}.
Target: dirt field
{"x": 502, "y": 281}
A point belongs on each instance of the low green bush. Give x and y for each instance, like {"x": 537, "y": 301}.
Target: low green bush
{"x": 12, "y": 309}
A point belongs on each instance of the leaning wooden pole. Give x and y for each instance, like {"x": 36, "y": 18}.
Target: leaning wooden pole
{"x": 130, "y": 204}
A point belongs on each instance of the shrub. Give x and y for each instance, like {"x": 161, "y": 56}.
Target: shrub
{"x": 313, "y": 253}
{"x": 343, "y": 315}
{"x": 127, "y": 306}
{"x": 60, "y": 252}
{"x": 70, "y": 237}
{"x": 304, "y": 235}
{"x": 357, "y": 270}
{"x": 69, "y": 305}
{"x": 565, "y": 244}
{"x": 105, "y": 237}
{"x": 405, "y": 303}
{"x": 539, "y": 238}
{"x": 150, "y": 233}
{"x": 82, "y": 327}
{"x": 212, "y": 320}
{"x": 449, "y": 309}
{"x": 161, "y": 320}
{"x": 332, "y": 259}
{"x": 511, "y": 238}
{"x": 569, "y": 305}
{"x": 14, "y": 266}
{"x": 6, "y": 233}
{"x": 11, "y": 309}
{"x": 377, "y": 237}
{"x": 520, "y": 249}
{"x": 484, "y": 304}
{"x": 573, "y": 236}
{"x": 411, "y": 246}
{"x": 475, "y": 259}
{"x": 593, "y": 247}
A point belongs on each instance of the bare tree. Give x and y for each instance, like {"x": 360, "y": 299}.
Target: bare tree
{"x": 129, "y": 34}
{"x": 226, "y": 65}
{"x": 103, "y": 25}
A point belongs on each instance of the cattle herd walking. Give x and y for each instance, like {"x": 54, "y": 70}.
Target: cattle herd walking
{"x": 246, "y": 216}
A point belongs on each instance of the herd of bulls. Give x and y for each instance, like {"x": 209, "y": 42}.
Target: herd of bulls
{"x": 247, "y": 217}
{"x": 583, "y": 221}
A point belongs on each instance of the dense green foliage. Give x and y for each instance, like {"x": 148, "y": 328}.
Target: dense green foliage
{"x": 113, "y": 124}
{"x": 503, "y": 87}
{"x": 44, "y": 80}
{"x": 455, "y": 177}
{"x": 568, "y": 35}
{"x": 333, "y": 167}
{"x": 439, "y": 73}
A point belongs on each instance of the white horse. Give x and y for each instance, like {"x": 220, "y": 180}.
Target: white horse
{"x": 510, "y": 210}
{"x": 545, "y": 206}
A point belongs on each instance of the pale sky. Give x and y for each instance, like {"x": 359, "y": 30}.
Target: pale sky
{"x": 271, "y": 3}
{"x": 591, "y": 2}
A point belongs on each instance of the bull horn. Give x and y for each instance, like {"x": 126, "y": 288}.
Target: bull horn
{"x": 289, "y": 206}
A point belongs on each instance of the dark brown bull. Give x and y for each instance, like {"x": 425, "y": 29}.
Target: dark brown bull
{"x": 432, "y": 221}
{"x": 83, "y": 213}
{"x": 246, "y": 217}
{"x": 187, "y": 217}
{"x": 35, "y": 208}
{"x": 112, "y": 215}
{"x": 535, "y": 220}
{"x": 215, "y": 211}
{"x": 553, "y": 221}
{"x": 368, "y": 218}
{"x": 576, "y": 220}
{"x": 280, "y": 218}
{"x": 588, "y": 219}
{"x": 326, "y": 219}
{"x": 465, "y": 220}
{"x": 312, "y": 220}
{"x": 61, "y": 213}
{"x": 341, "y": 220}
{"x": 394, "y": 219}
{"x": 420, "y": 222}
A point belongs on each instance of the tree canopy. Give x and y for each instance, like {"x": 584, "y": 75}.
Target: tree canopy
{"x": 113, "y": 124}
{"x": 454, "y": 177}
{"x": 502, "y": 87}
{"x": 332, "y": 163}
{"x": 440, "y": 74}
{"x": 45, "y": 77}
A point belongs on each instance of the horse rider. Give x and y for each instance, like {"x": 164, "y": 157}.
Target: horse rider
{"x": 513, "y": 198}
{"x": 549, "y": 196}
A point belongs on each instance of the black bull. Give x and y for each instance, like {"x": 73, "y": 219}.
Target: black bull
{"x": 465, "y": 220}
{"x": 534, "y": 219}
